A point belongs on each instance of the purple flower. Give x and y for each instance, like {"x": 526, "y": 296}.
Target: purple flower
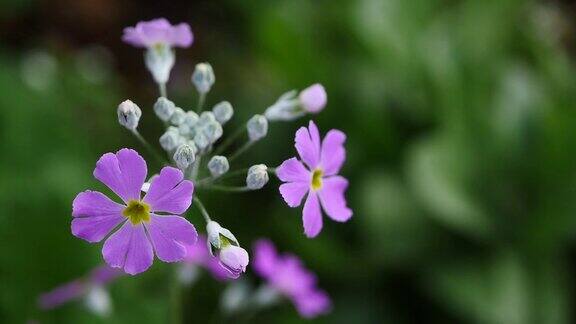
{"x": 141, "y": 229}
{"x": 318, "y": 178}
{"x": 158, "y": 32}
{"x": 289, "y": 277}
{"x": 78, "y": 288}
{"x": 313, "y": 98}
{"x": 198, "y": 254}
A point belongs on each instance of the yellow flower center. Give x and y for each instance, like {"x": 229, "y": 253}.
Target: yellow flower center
{"x": 137, "y": 212}
{"x": 316, "y": 182}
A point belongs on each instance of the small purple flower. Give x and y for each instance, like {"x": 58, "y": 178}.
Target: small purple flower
{"x": 286, "y": 274}
{"x": 313, "y": 98}
{"x": 158, "y": 32}
{"x": 78, "y": 288}
{"x": 198, "y": 254}
{"x": 224, "y": 245}
{"x": 319, "y": 179}
{"x": 142, "y": 230}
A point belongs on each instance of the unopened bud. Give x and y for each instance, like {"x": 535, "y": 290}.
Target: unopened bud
{"x": 170, "y": 139}
{"x": 213, "y": 131}
{"x": 178, "y": 116}
{"x": 184, "y": 156}
{"x": 223, "y": 111}
{"x": 164, "y": 108}
{"x": 257, "y": 127}
{"x": 257, "y": 177}
{"x": 203, "y": 77}
{"x": 201, "y": 140}
{"x": 129, "y": 114}
{"x": 218, "y": 165}
{"x": 206, "y": 117}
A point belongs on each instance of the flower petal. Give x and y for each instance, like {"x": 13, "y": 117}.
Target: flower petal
{"x": 308, "y": 145}
{"x": 95, "y": 215}
{"x": 312, "y": 216}
{"x": 313, "y": 303}
{"x": 181, "y": 35}
{"x": 293, "y": 192}
{"x": 333, "y": 153}
{"x": 61, "y": 295}
{"x": 265, "y": 258}
{"x": 169, "y": 235}
{"x": 333, "y": 200}
{"x": 123, "y": 172}
{"x": 168, "y": 193}
{"x": 293, "y": 170}
{"x": 129, "y": 248}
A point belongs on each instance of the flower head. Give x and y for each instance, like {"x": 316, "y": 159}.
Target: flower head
{"x": 286, "y": 274}
{"x": 158, "y": 32}
{"x": 86, "y": 288}
{"x": 317, "y": 177}
{"x": 145, "y": 225}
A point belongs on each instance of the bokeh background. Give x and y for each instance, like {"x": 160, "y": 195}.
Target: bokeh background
{"x": 460, "y": 118}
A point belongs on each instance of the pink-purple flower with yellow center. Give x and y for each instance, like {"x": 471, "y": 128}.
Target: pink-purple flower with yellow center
{"x": 158, "y": 32}
{"x": 145, "y": 225}
{"x": 317, "y": 177}
{"x": 313, "y": 98}
{"x": 198, "y": 254}
{"x": 78, "y": 288}
{"x": 286, "y": 274}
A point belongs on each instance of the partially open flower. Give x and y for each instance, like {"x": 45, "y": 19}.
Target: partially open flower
{"x": 159, "y": 38}
{"x": 224, "y": 245}
{"x": 313, "y": 98}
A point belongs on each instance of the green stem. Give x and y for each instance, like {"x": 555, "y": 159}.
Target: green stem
{"x": 211, "y": 179}
{"x": 241, "y": 150}
{"x": 225, "y": 188}
{"x": 162, "y": 88}
{"x": 201, "y": 99}
{"x": 196, "y": 167}
{"x": 229, "y": 140}
{"x": 202, "y": 209}
{"x": 150, "y": 149}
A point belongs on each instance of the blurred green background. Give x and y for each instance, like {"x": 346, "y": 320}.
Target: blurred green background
{"x": 461, "y": 150}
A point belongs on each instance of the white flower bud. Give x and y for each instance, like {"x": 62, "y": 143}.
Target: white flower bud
{"x": 257, "y": 127}
{"x": 191, "y": 118}
{"x": 223, "y": 111}
{"x": 218, "y": 165}
{"x": 164, "y": 108}
{"x": 159, "y": 61}
{"x": 206, "y": 117}
{"x": 213, "y": 131}
{"x": 170, "y": 139}
{"x": 225, "y": 246}
{"x": 201, "y": 140}
{"x": 257, "y": 176}
{"x": 184, "y": 156}
{"x": 178, "y": 116}
{"x": 203, "y": 77}
{"x": 129, "y": 114}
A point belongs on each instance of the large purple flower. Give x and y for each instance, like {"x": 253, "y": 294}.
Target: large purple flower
{"x": 318, "y": 178}
{"x": 144, "y": 225}
{"x": 158, "y": 32}
{"x": 286, "y": 274}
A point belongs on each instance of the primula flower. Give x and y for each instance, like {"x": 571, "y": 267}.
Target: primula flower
{"x": 224, "y": 245}
{"x": 288, "y": 276}
{"x": 84, "y": 288}
{"x": 158, "y": 32}
{"x": 142, "y": 230}
{"x": 317, "y": 177}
